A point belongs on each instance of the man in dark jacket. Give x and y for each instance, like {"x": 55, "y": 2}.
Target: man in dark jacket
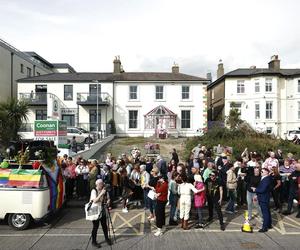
{"x": 263, "y": 197}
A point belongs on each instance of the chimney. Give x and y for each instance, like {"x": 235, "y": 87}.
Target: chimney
{"x": 175, "y": 68}
{"x": 220, "y": 70}
{"x": 208, "y": 76}
{"x": 274, "y": 64}
{"x": 117, "y": 65}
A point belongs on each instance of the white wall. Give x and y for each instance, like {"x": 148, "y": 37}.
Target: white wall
{"x": 146, "y": 102}
{"x": 284, "y": 95}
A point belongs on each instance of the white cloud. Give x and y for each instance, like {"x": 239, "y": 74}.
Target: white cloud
{"x": 151, "y": 35}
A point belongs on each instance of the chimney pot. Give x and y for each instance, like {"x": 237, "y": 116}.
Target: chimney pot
{"x": 175, "y": 68}
{"x": 220, "y": 70}
{"x": 117, "y": 65}
{"x": 274, "y": 64}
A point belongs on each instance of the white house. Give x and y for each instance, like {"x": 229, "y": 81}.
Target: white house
{"x": 15, "y": 64}
{"x": 140, "y": 103}
{"x": 268, "y": 98}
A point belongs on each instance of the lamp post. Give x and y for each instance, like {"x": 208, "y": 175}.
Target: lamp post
{"x": 97, "y": 110}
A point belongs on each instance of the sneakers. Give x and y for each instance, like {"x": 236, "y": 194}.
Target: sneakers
{"x": 125, "y": 210}
{"x": 152, "y": 219}
{"x": 158, "y": 232}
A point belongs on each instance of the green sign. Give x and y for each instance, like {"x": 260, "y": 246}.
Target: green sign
{"x": 45, "y": 128}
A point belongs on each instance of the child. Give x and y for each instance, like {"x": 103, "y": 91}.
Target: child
{"x": 199, "y": 199}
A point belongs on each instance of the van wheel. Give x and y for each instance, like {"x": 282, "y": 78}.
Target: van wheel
{"x": 19, "y": 221}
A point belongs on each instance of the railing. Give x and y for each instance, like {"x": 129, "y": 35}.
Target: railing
{"x": 92, "y": 127}
{"x": 27, "y": 127}
{"x": 34, "y": 98}
{"x": 91, "y": 98}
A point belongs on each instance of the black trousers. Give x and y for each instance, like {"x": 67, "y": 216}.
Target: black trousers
{"x": 70, "y": 187}
{"x": 160, "y": 213}
{"x": 96, "y": 226}
{"x": 276, "y": 197}
{"x": 213, "y": 202}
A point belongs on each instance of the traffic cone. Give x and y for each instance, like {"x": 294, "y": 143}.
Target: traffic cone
{"x": 247, "y": 228}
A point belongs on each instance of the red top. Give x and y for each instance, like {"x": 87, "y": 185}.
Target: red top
{"x": 162, "y": 188}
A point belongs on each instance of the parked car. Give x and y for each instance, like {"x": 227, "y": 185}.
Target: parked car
{"x": 290, "y": 135}
{"x": 80, "y": 134}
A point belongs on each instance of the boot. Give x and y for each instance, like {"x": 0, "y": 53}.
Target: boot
{"x": 185, "y": 225}
{"x": 182, "y": 223}
{"x": 298, "y": 214}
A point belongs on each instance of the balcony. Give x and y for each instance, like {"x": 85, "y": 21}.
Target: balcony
{"x": 90, "y": 99}
{"x": 34, "y": 99}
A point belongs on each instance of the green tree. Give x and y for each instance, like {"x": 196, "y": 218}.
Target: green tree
{"x": 233, "y": 121}
{"x": 12, "y": 115}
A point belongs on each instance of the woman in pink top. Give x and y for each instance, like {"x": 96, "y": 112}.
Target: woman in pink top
{"x": 199, "y": 199}
{"x": 70, "y": 175}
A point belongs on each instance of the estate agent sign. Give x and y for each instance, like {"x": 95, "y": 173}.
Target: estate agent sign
{"x": 51, "y": 130}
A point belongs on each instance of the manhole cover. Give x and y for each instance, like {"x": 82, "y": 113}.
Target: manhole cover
{"x": 250, "y": 245}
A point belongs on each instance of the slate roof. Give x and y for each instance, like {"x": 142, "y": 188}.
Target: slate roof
{"x": 257, "y": 72}
{"x": 110, "y": 77}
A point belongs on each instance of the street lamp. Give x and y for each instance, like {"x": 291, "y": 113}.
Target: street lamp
{"x": 97, "y": 110}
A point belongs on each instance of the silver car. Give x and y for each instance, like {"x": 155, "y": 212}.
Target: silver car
{"x": 80, "y": 134}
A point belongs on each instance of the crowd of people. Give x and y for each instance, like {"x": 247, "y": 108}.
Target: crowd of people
{"x": 205, "y": 181}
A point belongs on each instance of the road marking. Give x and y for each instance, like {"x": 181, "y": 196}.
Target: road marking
{"x": 127, "y": 222}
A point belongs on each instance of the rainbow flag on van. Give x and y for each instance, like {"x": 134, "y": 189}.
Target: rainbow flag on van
{"x": 4, "y": 175}
{"x": 24, "y": 178}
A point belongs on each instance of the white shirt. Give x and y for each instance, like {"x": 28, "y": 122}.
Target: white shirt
{"x": 186, "y": 188}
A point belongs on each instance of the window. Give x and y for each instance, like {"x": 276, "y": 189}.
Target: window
{"x": 240, "y": 86}
{"x": 68, "y": 92}
{"x": 185, "y": 92}
{"x": 93, "y": 119}
{"x": 236, "y": 105}
{"x": 28, "y": 72}
{"x": 70, "y": 119}
{"x": 269, "y": 130}
{"x": 22, "y": 68}
{"x": 298, "y": 86}
{"x": 133, "y": 114}
{"x": 133, "y": 92}
{"x": 185, "y": 119}
{"x": 93, "y": 89}
{"x": 268, "y": 84}
{"x": 269, "y": 110}
{"x": 41, "y": 114}
{"x": 159, "y": 92}
{"x": 257, "y": 111}
{"x": 213, "y": 94}
{"x": 257, "y": 86}
{"x": 299, "y": 110}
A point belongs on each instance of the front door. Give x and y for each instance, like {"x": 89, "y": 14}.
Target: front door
{"x": 93, "y": 119}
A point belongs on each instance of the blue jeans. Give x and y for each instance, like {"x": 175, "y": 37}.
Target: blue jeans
{"x": 230, "y": 205}
{"x": 146, "y": 202}
{"x": 152, "y": 205}
{"x": 200, "y": 217}
{"x": 173, "y": 203}
{"x": 251, "y": 204}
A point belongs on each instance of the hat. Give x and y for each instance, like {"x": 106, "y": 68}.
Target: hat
{"x": 197, "y": 177}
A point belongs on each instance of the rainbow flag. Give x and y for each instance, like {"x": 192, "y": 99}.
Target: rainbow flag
{"x": 24, "y": 178}
{"x": 4, "y": 175}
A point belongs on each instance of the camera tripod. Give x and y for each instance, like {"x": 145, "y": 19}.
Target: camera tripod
{"x": 110, "y": 226}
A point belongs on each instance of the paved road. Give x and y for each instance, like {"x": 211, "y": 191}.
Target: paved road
{"x": 69, "y": 230}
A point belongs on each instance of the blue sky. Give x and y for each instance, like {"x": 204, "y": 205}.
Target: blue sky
{"x": 150, "y": 35}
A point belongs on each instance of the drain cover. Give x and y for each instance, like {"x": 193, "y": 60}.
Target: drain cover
{"x": 250, "y": 245}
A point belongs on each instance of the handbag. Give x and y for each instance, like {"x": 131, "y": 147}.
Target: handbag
{"x": 92, "y": 211}
{"x": 152, "y": 195}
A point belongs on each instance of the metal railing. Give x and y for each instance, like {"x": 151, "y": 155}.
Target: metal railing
{"x": 34, "y": 98}
{"x": 92, "y": 127}
{"x": 85, "y": 98}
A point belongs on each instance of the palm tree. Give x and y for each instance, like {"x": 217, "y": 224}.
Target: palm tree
{"x": 12, "y": 115}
